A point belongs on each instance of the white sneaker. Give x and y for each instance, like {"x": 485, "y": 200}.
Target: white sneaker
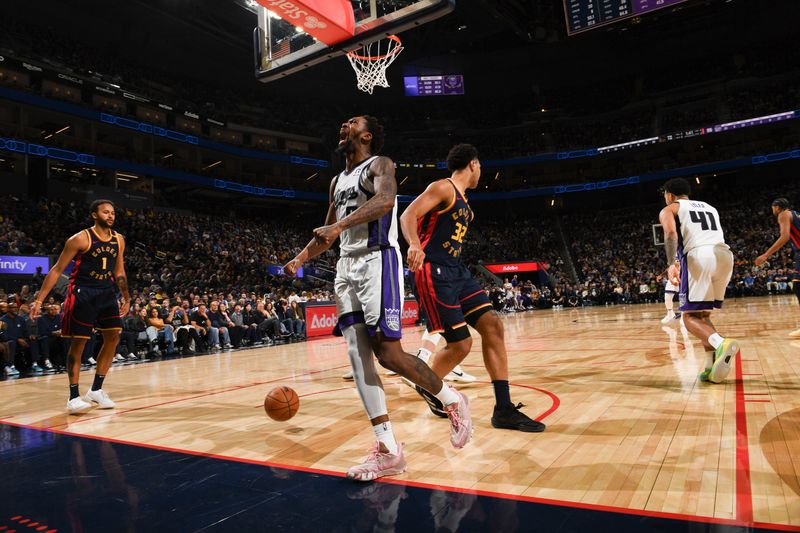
{"x": 670, "y": 316}
{"x": 458, "y": 374}
{"x": 77, "y": 406}
{"x": 91, "y": 361}
{"x": 11, "y": 370}
{"x": 132, "y": 357}
{"x": 48, "y": 365}
{"x": 100, "y": 398}
{"x": 348, "y": 376}
{"x": 117, "y": 358}
{"x": 795, "y": 333}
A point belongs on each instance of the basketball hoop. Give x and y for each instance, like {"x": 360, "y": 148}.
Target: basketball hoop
{"x": 370, "y": 64}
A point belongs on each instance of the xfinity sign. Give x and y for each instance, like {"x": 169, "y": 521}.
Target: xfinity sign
{"x": 16, "y": 265}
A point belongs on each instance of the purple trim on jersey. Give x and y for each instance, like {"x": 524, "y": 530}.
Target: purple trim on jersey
{"x": 701, "y": 306}
{"x": 347, "y": 320}
{"x": 391, "y": 299}
{"x": 379, "y": 231}
{"x": 683, "y": 294}
{"x": 683, "y": 290}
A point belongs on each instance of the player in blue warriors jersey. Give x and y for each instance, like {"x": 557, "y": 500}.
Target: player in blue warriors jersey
{"x": 789, "y": 223}
{"x": 91, "y": 301}
{"x": 435, "y": 226}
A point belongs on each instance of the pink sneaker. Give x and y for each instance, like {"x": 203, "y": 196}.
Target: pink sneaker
{"x": 460, "y": 421}
{"x": 379, "y": 463}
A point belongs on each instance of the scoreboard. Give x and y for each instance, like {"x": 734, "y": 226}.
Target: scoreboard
{"x": 434, "y": 85}
{"x": 584, "y": 15}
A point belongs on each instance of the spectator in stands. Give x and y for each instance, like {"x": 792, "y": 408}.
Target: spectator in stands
{"x": 187, "y": 338}
{"x": 235, "y": 333}
{"x": 20, "y": 342}
{"x": 285, "y": 317}
{"x": 298, "y": 317}
{"x": 208, "y": 333}
{"x": 5, "y": 354}
{"x": 52, "y": 345}
{"x": 38, "y": 278}
{"x": 33, "y": 330}
{"x": 220, "y": 323}
{"x": 270, "y": 324}
{"x": 160, "y": 331}
{"x": 573, "y": 300}
{"x": 244, "y": 333}
{"x": 134, "y": 329}
{"x": 249, "y": 322}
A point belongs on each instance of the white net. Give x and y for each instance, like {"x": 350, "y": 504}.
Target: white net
{"x": 370, "y": 63}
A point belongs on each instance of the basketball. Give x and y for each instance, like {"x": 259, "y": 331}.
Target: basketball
{"x": 281, "y": 403}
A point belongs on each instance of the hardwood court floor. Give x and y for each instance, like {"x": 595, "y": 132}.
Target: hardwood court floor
{"x": 630, "y": 429}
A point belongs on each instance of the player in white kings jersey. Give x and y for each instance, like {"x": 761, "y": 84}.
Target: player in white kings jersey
{"x": 692, "y": 232}
{"x": 369, "y": 291}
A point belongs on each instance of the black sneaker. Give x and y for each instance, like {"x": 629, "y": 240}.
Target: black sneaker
{"x": 433, "y": 402}
{"x": 513, "y": 418}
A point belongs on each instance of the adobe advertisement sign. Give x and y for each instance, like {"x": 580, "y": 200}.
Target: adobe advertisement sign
{"x": 513, "y": 268}
{"x": 321, "y": 318}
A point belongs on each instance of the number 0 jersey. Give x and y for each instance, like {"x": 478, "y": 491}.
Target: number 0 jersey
{"x": 353, "y": 189}
{"x": 94, "y": 266}
{"x": 698, "y": 225}
{"x": 442, "y": 233}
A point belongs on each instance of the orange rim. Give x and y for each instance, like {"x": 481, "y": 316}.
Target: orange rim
{"x": 394, "y": 51}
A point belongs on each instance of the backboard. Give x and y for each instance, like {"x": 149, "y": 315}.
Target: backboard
{"x": 658, "y": 235}
{"x": 282, "y": 48}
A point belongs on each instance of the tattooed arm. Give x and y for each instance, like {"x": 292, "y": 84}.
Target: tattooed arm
{"x": 381, "y": 172}
{"x": 121, "y": 278}
{"x": 667, "y": 219}
{"x": 74, "y": 245}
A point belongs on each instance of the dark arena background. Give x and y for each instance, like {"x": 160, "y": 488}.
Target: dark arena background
{"x": 211, "y": 128}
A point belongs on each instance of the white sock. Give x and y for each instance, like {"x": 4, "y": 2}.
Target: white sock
{"x": 668, "y": 302}
{"x": 424, "y": 354}
{"x": 447, "y": 395}
{"x": 715, "y": 340}
{"x": 431, "y": 337}
{"x": 385, "y": 435}
{"x": 709, "y": 359}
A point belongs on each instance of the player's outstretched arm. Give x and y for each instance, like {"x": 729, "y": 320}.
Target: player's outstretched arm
{"x": 381, "y": 172}
{"x": 315, "y": 247}
{"x": 438, "y": 193}
{"x": 785, "y": 223}
{"x": 73, "y": 246}
{"x": 121, "y": 278}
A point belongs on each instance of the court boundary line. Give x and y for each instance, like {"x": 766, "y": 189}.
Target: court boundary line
{"x": 744, "y": 494}
{"x": 429, "y": 486}
{"x": 187, "y": 398}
